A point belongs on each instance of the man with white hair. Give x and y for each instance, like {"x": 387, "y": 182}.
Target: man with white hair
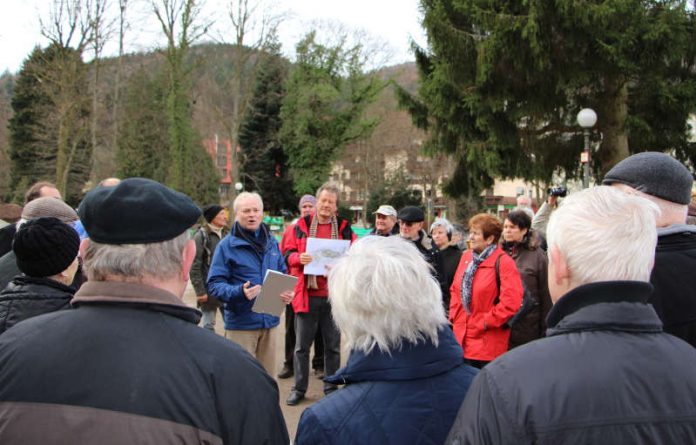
{"x": 665, "y": 181}
{"x": 236, "y": 274}
{"x": 606, "y": 372}
{"x": 405, "y": 377}
{"x": 128, "y": 364}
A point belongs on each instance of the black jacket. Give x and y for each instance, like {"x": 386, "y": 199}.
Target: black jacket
{"x": 6, "y": 236}
{"x": 27, "y": 297}
{"x": 605, "y": 373}
{"x": 449, "y": 259}
{"x": 674, "y": 280}
{"x": 206, "y": 242}
{"x": 129, "y": 365}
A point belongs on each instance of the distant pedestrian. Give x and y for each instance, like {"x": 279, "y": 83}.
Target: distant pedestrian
{"x": 207, "y": 238}
{"x": 46, "y": 252}
{"x": 405, "y": 377}
{"x": 411, "y": 227}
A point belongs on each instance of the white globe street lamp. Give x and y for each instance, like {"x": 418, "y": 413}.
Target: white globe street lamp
{"x": 587, "y": 118}
{"x": 238, "y": 186}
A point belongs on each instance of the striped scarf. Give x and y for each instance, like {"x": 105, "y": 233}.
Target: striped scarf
{"x": 468, "y": 278}
{"x": 312, "y": 279}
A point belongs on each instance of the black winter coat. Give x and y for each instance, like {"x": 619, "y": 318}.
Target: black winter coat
{"x": 605, "y": 374}
{"x": 27, "y": 297}
{"x": 129, "y": 365}
{"x": 674, "y": 280}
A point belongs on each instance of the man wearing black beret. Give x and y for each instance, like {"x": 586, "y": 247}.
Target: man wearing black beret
{"x": 666, "y": 182}
{"x": 128, "y": 364}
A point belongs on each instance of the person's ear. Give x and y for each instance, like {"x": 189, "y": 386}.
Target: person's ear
{"x": 490, "y": 240}
{"x": 83, "y": 247}
{"x": 561, "y": 272}
{"x": 187, "y": 257}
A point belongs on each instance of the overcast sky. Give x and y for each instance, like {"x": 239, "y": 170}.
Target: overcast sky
{"x": 392, "y": 22}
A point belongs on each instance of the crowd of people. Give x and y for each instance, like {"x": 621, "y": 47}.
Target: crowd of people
{"x": 572, "y": 324}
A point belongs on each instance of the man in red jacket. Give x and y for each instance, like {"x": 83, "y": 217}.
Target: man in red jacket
{"x": 311, "y": 305}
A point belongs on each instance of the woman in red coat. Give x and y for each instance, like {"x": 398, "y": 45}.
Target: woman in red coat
{"x": 478, "y": 309}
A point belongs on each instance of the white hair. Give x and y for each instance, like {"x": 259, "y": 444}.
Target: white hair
{"x": 382, "y": 294}
{"x": 605, "y": 235}
{"x": 133, "y": 262}
{"x": 246, "y": 195}
{"x": 442, "y": 222}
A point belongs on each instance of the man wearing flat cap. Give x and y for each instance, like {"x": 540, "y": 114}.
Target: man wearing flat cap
{"x": 207, "y": 238}
{"x": 411, "y": 220}
{"x": 666, "y": 182}
{"x": 385, "y": 221}
{"x": 128, "y": 364}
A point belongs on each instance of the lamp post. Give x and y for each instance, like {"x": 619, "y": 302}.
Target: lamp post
{"x": 238, "y": 186}
{"x": 587, "y": 118}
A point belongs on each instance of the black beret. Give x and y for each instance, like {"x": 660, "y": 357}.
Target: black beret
{"x": 45, "y": 246}
{"x": 211, "y": 211}
{"x": 136, "y": 211}
{"x": 411, "y": 214}
{"x": 653, "y": 173}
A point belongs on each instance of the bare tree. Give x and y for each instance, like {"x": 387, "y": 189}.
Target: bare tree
{"x": 122, "y": 8}
{"x": 254, "y": 29}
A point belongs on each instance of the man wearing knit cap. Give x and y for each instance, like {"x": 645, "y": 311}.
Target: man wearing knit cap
{"x": 666, "y": 182}
{"x": 306, "y": 207}
{"x": 38, "y": 208}
{"x": 46, "y": 252}
{"x": 128, "y": 364}
{"x": 207, "y": 238}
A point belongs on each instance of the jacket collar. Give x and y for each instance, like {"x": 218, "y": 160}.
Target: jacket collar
{"x": 237, "y": 240}
{"x": 136, "y": 294}
{"x": 675, "y": 228}
{"x": 609, "y": 305}
{"x": 412, "y": 361}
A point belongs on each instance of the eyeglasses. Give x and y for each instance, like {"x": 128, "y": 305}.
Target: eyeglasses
{"x": 407, "y": 223}
{"x": 380, "y": 216}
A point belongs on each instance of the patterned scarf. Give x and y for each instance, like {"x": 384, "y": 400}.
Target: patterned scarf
{"x": 468, "y": 278}
{"x": 312, "y": 279}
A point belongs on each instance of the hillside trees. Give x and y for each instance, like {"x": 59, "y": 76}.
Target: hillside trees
{"x": 264, "y": 166}
{"x": 326, "y": 95}
{"x": 49, "y": 131}
{"x": 502, "y": 83}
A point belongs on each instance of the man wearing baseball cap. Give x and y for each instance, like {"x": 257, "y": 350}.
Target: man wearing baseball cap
{"x": 385, "y": 221}
{"x": 666, "y": 182}
{"x": 128, "y": 364}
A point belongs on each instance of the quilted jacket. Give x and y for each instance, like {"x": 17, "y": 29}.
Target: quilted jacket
{"x": 410, "y": 396}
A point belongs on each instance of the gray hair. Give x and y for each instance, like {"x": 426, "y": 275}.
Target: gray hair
{"x": 245, "y": 195}
{"x": 442, "y": 222}
{"x": 331, "y": 188}
{"x": 382, "y": 294}
{"x": 135, "y": 261}
{"x": 605, "y": 235}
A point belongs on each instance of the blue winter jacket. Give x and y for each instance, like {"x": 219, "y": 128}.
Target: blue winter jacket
{"x": 234, "y": 263}
{"x": 409, "y": 397}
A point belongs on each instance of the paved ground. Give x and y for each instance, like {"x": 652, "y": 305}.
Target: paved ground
{"x": 314, "y": 392}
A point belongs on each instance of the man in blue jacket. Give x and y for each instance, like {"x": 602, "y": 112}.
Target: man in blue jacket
{"x": 236, "y": 274}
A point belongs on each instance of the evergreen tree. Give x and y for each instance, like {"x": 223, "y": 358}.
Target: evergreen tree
{"x": 502, "y": 83}
{"x": 49, "y": 132}
{"x": 326, "y": 95}
{"x": 264, "y": 167}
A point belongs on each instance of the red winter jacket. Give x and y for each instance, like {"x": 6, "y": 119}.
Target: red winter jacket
{"x": 482, "y": 333}
{"x": 294, "y": 243}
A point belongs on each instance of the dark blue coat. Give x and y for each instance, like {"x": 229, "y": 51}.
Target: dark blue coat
{"x": 409, "y": 397}
{"x": 234, "y": 263}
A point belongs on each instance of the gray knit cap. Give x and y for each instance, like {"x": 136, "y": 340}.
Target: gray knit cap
{"x": 655, "y": 174}
{"x": 47, "y": 206}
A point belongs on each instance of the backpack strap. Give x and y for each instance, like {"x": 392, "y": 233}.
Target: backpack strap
{"x": 497, "y": 279}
